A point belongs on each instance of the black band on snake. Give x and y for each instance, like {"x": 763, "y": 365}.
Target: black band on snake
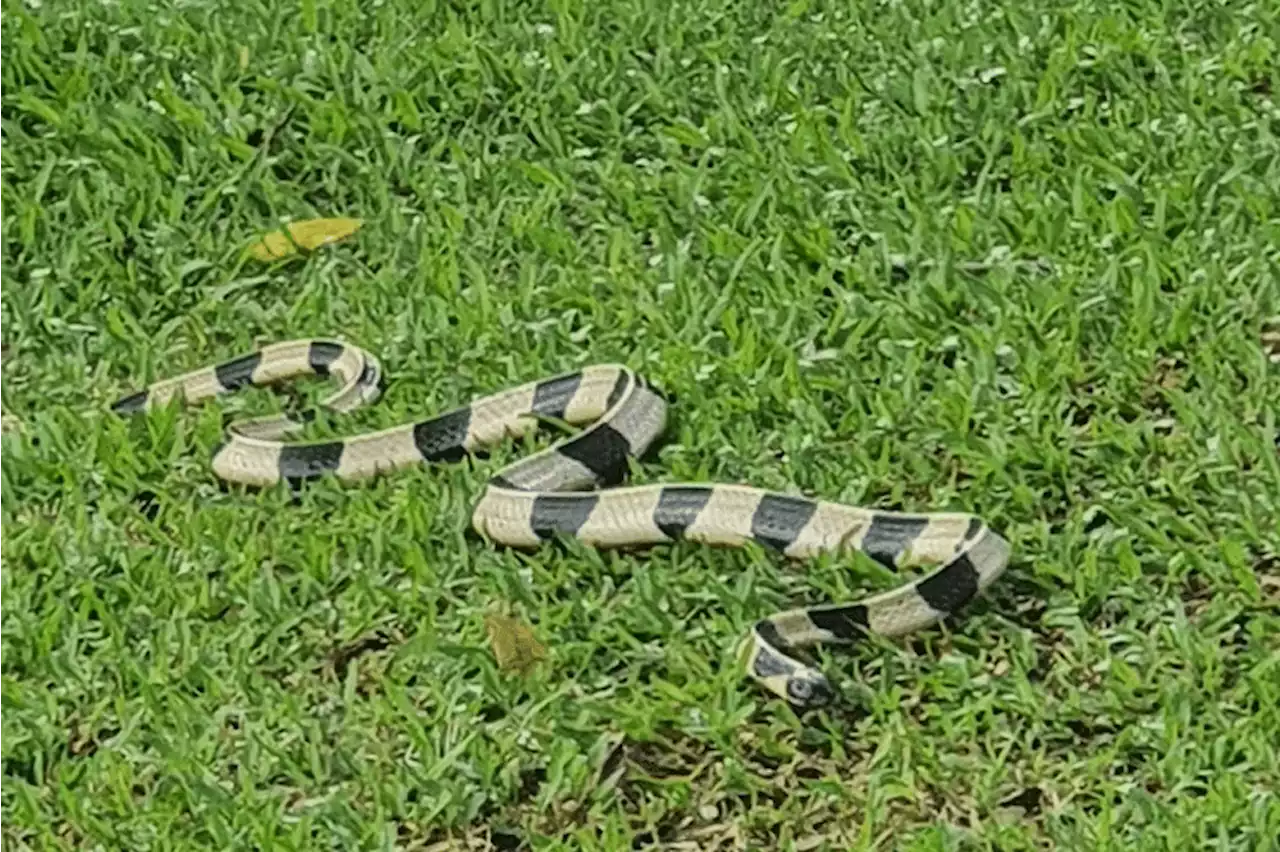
{"x": 571, "y": 489}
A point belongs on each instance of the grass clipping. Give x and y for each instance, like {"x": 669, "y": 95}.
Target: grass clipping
{"x": 306, "y": 235}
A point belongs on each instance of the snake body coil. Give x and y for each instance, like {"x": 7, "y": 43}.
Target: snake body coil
{"x": 570, "y": 489}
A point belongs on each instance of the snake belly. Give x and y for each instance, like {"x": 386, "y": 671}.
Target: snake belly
{"x": 572, "y": 489}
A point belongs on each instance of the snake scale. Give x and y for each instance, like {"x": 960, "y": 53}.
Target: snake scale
{"x": 572, "y": 488}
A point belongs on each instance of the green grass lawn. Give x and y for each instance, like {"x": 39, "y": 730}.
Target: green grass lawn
{"x": 1008, "y": 258}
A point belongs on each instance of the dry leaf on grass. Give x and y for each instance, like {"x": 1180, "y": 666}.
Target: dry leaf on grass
{"x": 514, "y": 646}
{"x": 309, "y": 234}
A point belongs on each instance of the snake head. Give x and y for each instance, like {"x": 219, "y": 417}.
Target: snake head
{"x": 808, "y": 689}
{"x": 768, "y": 663}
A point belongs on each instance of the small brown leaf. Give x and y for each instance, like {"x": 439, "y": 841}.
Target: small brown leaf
{"x": 514, "y": 646}
{"x": 309, "y": 234}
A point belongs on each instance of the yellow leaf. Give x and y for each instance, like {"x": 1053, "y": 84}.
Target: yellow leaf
{"x": 308, "y": 235}
{"x": 243, "y": 59}
{"x": 514, "y": 645}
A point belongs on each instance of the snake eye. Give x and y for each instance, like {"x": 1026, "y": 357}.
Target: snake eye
{"x": 809, "y": 692}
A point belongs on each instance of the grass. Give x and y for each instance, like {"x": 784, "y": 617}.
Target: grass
{"x": 1002, "y": 257}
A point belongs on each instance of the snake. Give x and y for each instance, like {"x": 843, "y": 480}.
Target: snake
{"x": 576, "y": 487}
